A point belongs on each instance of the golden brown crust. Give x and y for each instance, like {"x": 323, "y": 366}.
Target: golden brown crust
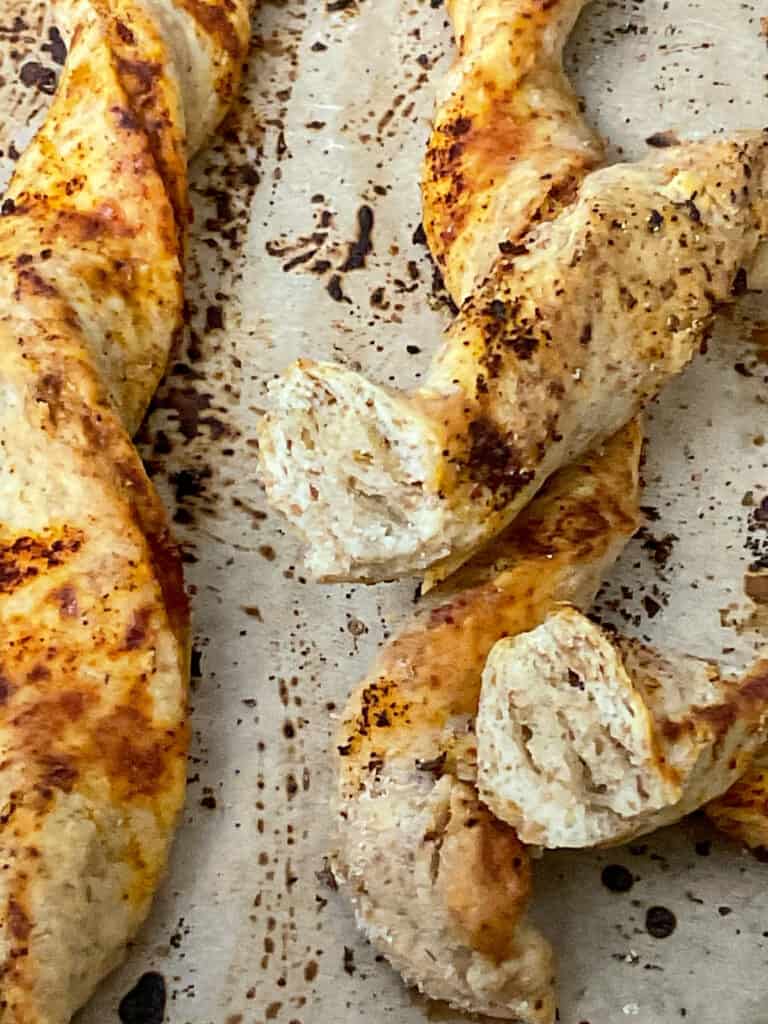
{"x": 485, "y": 878}
{"x": 509, "y": 143}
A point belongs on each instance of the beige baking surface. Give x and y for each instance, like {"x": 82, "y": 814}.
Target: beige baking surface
{"x": 335, "y": 119}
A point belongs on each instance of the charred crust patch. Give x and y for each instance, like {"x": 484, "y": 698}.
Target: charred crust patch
{"x": 27, "y": 556}
{"x": 494, "y": 461}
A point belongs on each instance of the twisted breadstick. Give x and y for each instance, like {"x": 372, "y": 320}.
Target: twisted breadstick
{"x": 562, "y": 340}
{"x": 93, "y": 614}
{"x": 438, "y": 883}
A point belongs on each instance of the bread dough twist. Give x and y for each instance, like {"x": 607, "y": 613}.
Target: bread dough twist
{"x": 576, "y": 323}
{"x": 93, "y": 613}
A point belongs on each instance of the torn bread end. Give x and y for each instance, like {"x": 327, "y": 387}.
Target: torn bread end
{"x": 356, "y": 469}
{"x": 587, "y": 740}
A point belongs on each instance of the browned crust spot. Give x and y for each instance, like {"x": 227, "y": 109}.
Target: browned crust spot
{"x": 27, "y": 556}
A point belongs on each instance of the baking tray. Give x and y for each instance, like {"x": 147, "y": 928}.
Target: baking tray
{"x": 329, "y": 134}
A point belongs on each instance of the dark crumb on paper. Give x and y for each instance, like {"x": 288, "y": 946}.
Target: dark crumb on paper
{"x": 363, "y": 244}
{"x": 334, "y": 290}
{"x": 325, "y": 876}
{"x": 145, "y": 1003}
{"x": 652, "y": 607}
{"x": 662, "y": 140}
{"x": 419, "y": 236}
{"x": 35, "y": 74}
{"x": 55, "y": 46}
{"x": 740, "y": 284}
{"x": 659, "y": 548}
{"x": 660, "y": 922}
{"x": 703, "y": 847}
{"x": 617, "y": 878}
{"x": 340, "y": 5}
{"x": 209, "y": 802}
{"x": 349, "y": 960}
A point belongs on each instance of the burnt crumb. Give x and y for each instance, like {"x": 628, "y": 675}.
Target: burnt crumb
{"x": 513, "y": 248}
{"x": 334, "y": 290}
{"x": 33, "y": 73}
{"x": 439, "y": 292}
{"x": 412, "y": 350}
{"x": 349, "y": 960}
{"x": 740, "y": 284}
{"x": 660, "y": 922}
{"x": 189, "y": 483}
{"x": 196, "y": 670}
{"x": 655, "y": 221}
{"x": 209, "y": 802}
{"x": 575, "y": 680}
{"x": 419, "y": 236}
{"x": 145, "y": 1003}
{"x": 340, "y": 5}
{"x": 659, "y": 548}
{"x": 214, "y": 318}
{"x": 662, "y": 140}
{"x": 325, "y": 876}
{"x": 724, "y": 911}
{"x": 692, "y": 210}
{"x": 55, "y": 46}
{"x": 757, "y": 533}
{"x": 617, "y": 878}
{"x": 363, "y": 244}
{"x": 652, "y": 607}
{"x": 318, "y": 47}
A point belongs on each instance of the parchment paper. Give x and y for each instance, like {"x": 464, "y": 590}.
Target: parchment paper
{"x": 333, "y": 122}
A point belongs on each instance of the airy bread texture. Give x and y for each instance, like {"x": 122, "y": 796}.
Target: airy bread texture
{"x": 564, "y": 342}
{"x": 584, "y": 739}
{"x": 94, "y": 660}
{"x": 438, "y": 883}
